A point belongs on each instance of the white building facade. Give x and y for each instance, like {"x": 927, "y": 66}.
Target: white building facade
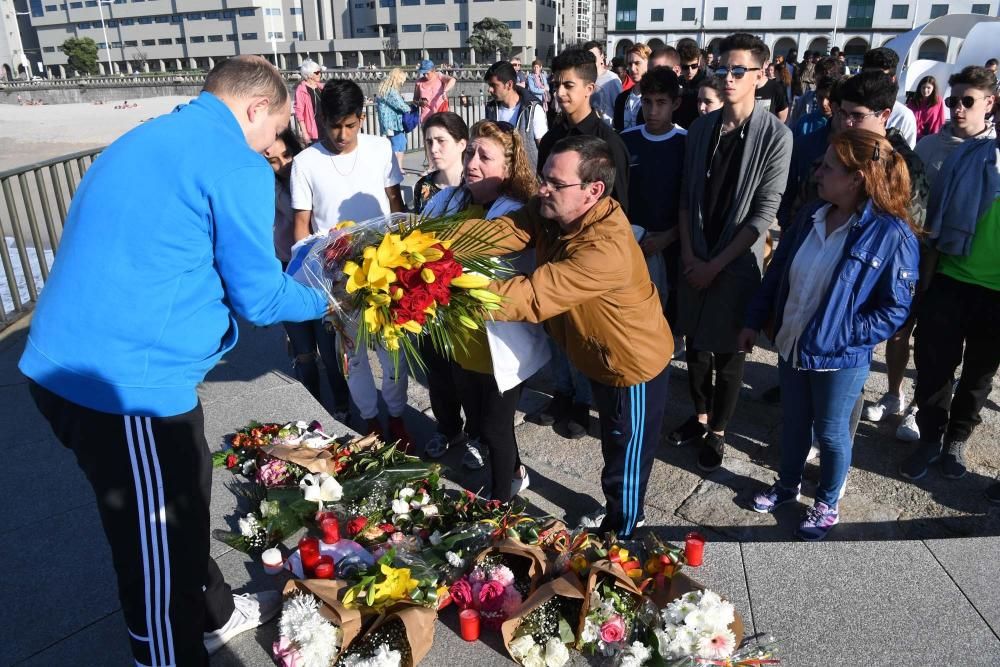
{"x": 170, "y": 35}
{"x": 852, "y": 25}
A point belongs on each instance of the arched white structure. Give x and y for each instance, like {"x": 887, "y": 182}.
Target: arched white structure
{"x": 933, "y": 48}
{"x": 782, "y": 46}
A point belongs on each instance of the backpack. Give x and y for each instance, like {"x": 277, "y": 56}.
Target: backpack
{"x": 411, "y": 119}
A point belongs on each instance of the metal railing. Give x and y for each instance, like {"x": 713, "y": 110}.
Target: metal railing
{"x": 33, "y": 203}
{"x": 34, "y": 200}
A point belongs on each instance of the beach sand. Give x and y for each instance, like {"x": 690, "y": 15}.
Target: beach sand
{"x": 30, "y": 134}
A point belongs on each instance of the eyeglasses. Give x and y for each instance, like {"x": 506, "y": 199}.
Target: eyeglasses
{"x": 738, "y": 72}
{"x": 967, "y": 101}
{"x": 516, "y": 65}
{"x": 549, "y": 185}
{"x": 855, "y": 117}
{"x": 688, "y": 68}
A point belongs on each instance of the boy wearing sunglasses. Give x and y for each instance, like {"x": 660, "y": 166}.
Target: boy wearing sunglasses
{"x": 736, "y": 167}
{"x": 971, "y": 99}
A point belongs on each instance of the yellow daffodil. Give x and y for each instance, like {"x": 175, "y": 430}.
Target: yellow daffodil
{"x": 397, "y": 585}
{"x": 470, "y": 281}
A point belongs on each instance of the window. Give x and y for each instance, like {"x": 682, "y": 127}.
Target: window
{"x": 76, "y": 5}
{"x": 248, "y": 35}
{"x": 193, "y": 16}
{"x": 461, "y": 2}
{"x": 938, "y": 10}
{"x": 176, "y": 18}
{"x": 434, "y": 2}
{"x": 656, "y": 15}
{"x": 213, "y": 15}
{"x": 298, "y": 34}
{"x": 860, "y": 13}
{"x": 231, "y": 37}
{"x": 753, "y": 13}
{"x": 215, "y": 38}
{"x": 626, "y": 18}
{"x": 161, "y": 19}
{"x": 900, "y": 11}
{"x": 788, "y": 12}
{"x": 721, "y": 14}
{"x": 102, "y": 45}
{"x": 50, "y": 8}
{"x": 197, "y": 39}
{"x": 531, "y": 25}
{"x": 386, "y": 3}
{"x": 824, "y": 11}
{"x": 409, "y": 3}
{"x": 112, "y": 23}
{"x": 49, "y": 49}
{"x": 131, "y": 42}
{"x": 295, "y": 11}
{"x": 90, "y": 3}
{"x": 126, "y": 21}
{"x": 275, "y": 35}
{"x": 437, "y": 27}
{"x": 462, "y": 26}
{"x": 411, "y": 27}
{"x": 116, "y": 45}
{"x": 272, "y": 11}
{"x": 178, "y": 40}
{"x": 976, "y": 9}
{"x": 245, "y": 11}
{"x": 145, "y": 20}
{"x": 149, "y": 42}
{"x": 83, "y": 25}
{"x": 164, "y": 41}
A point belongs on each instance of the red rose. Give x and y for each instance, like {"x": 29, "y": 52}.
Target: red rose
{"x": 491, "y": 596}
{"x": 461, "y": 593}
{"x": 356, "y": 525}
{"x": 387, "y": 528}
{"x": 409, "y": 278}
{"x": 232, "y": 461}
{"x": 439, "y": 292}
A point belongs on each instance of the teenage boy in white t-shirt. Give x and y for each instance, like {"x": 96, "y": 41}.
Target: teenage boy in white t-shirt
{"x": 352, "y": 176}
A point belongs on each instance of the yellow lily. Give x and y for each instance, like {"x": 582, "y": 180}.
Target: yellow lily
{"x": 432, "y": 255}
{"x": 470, "y": 281}
{"x": 373, "y": 318}
{"x": 412, "y": 326}
{"x": 397, "y": 585}
{"x": 427, "y": 275}
{"x": 378, "y": 299}
{"x": 468, "y": 322}
{"x": 418, "y": 241}
{"x": 485, "y": 296}
{"x": 344, "y": 225}
{"x": 390, "y": 252}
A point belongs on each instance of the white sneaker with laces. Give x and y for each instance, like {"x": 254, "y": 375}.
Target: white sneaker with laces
{"x": 251, "y": 610}
{"x": 908, "y": 431}
{"x": 520, "y": 482}
{"x": 889, "y": 404}
{"x": 595, "y": 519}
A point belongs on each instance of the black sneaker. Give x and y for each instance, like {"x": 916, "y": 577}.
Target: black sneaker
{"x": 555, "y": 411}
{"x": 688, "y": 432}
{"x": 915, "y": 466}
{"x": 953, "y": 461}
{"x": 578, "y": 422}
{"x": 993, "y": 493}
{"x": 710, "y": 457}
{"x": 772, "y": 396}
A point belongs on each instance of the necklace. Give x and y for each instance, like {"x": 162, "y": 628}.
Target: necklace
{"x": 333, "y": 161}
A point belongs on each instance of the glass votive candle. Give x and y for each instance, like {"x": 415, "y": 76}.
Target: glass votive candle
{"x": 468, "y": 624}
{"x": 331, "y": 530}
{"x": 324, "y": 568}
{"x": 309, "y": 553}
{"x": 272, "y": 560}
{"x": 694, "y": 549}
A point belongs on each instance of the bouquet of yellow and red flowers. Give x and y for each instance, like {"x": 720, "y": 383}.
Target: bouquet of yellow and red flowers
{"x": 399, "y": 277}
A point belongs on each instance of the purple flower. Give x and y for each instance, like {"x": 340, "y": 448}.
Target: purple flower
{"x": 274, "y": 473}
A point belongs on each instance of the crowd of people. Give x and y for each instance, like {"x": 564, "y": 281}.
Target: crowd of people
{"x": 711, "y": 198}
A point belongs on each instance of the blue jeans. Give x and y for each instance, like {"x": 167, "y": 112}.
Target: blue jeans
{"x": 818, "y": 403}
{"x": 566, "y": 379}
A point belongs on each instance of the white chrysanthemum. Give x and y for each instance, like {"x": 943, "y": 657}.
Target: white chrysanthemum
{"x": 695, "y": 619}
{"x": 429, "y": 510}
{"x": 454, "y": 559}
{"x": 316, "y": 639}
{"x": 383, "y": 657}
{"x": 718, "y": 616}
{"x": 323, "y": 647}
{"x": 535, "y": 657}
{"x": 709, "y": 599}
{"x": 520, "y": 646}
{"x": 249, "y": 525}
{"x": 635, "y": 655}
{"x": 717, "y": 645}
{"x": 400, "y": 506}
{"x": 405, "y": 493}
{"x": 590, "y": 632}
{"x": 556, "y": 654}
{"x": 420, "y": 500}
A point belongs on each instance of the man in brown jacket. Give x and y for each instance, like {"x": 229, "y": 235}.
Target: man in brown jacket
{"x": 593, "y": 292}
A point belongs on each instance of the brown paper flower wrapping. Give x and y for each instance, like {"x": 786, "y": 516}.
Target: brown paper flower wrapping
{"x": 680, "y": 584}
{"x": 538, "y": 562}
{"x": 317, "y": 460}
{"x": 567, "y": 586}
{"x": 419, "y": 622}
{"x": 328, "y": 592}
{"x": 608, "y": 570}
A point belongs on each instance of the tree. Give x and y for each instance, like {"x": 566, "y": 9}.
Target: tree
{"x": 490, "y": 36}
{"x": 82, "y": 54}
{"x": 139, "y": 60}
{"x": 390, "y": 46}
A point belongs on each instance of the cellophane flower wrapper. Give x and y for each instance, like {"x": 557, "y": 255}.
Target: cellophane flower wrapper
{"x": 297, "y": 630}
{"x": 611, "y": 607}
{"x": 545, "y": 624}
{"x": 396, "y": 278}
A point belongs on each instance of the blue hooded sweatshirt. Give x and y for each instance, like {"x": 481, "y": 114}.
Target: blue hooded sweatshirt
{"x": 168, "y": 236}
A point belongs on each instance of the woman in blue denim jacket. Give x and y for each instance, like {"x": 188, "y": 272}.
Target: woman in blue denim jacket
{"x": 390, "y": 107}
{"x": 840, "y": 283}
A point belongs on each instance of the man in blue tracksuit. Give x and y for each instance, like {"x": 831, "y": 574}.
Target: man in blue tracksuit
{"x": 167, "y": 239}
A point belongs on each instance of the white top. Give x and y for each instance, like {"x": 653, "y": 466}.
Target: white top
{"x": 538, "y": 123}
{"x": 607, "y": 89}
{"x": 344, "y": 187}
{"x": 657, "y": 137}
{"x": 632, "y": 105}
{"x": 808, "y": 280}
{"x": 902, "y": 119}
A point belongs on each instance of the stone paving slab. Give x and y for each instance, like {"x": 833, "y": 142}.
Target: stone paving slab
{"x": 870, "y": 603}
{"x": 99, "y": 644}
{"x": 972, "y": 565}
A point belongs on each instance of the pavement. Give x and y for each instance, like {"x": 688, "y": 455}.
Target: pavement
{"x": 908, "y": 577}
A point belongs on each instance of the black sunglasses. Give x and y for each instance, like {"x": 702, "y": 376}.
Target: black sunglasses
{"x": 738, "y": 72}
{"x": 967, "y": 101}
{"x": 688, "y": 68}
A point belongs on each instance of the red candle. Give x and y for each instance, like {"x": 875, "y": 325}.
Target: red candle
{"x": 324, "y": 568}
{"x": 323, "y": 516}
{"x": 331, "y": 530}
{"x": 309, "y": 553}
{"x": 468, "y": 621}
{"x": 694, "y": 549}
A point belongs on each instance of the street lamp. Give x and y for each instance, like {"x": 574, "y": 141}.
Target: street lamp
{"x": 423, "y": 41}
{"x": 104, "y": 29}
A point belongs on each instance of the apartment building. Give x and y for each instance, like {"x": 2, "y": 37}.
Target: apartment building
{"x": 852, "y": 25}
{"x": 20, "y": 56}
{"x": 170, "y": 35}
{"x": 583, "y": 21}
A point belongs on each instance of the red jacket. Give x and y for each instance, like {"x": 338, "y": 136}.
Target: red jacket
{"x": 930, "y": 118}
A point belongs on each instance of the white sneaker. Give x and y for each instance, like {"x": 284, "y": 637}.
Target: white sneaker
{"x": 813, "y": 452}
{"x": 595, "y": 519}
{"x": 889, "y": 404}
{"x": 520, "y": 482}
{"x": 908, "y": 431}
{"x": 250, "y": 612}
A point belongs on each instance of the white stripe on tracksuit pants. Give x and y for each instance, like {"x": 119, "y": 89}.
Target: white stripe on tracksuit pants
{"x": 152, "y": 480}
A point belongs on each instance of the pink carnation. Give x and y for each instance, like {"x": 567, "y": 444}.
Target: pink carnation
{"x": 491, "y": 596}
{"x": 461, "y": 593}
{"x": 511, "y": 602}
{"x": 503, "y": 575}
{"x": 273, "y": 473}
{"x": 613, "y": 629}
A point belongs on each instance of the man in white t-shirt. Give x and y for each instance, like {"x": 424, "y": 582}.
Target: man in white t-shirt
{"x": 511, "y": 105}
{"x": 608, "y": 86}
{"x": 352, "y": 176}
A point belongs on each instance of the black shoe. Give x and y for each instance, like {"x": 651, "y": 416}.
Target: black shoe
{"x": 993, "y": 493}
{"x": 555, "y": 411}
{"x": 915, "y": 466}
{"x": 710, "y": 456}
{"x": 578, "y": 422}
{"x": 953, "y": 461}
{"x": 687, "y": 432}
{"x": 772, "y": 396}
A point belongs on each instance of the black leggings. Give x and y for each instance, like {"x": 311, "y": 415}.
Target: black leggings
{"x": 717, "y": 400}
{"x": 490, "y": 417}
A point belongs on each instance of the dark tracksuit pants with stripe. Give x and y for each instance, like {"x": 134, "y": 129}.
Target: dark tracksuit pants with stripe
{"x": 152, "y": 478}
{"x": 631, "y": 418}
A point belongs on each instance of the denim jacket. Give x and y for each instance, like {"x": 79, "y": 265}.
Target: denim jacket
{"x": 390, "y": 111}
{"x": 868, "y": 299}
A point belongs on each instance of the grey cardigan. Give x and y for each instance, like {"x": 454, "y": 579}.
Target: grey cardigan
{"x": 713, "y": 317}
